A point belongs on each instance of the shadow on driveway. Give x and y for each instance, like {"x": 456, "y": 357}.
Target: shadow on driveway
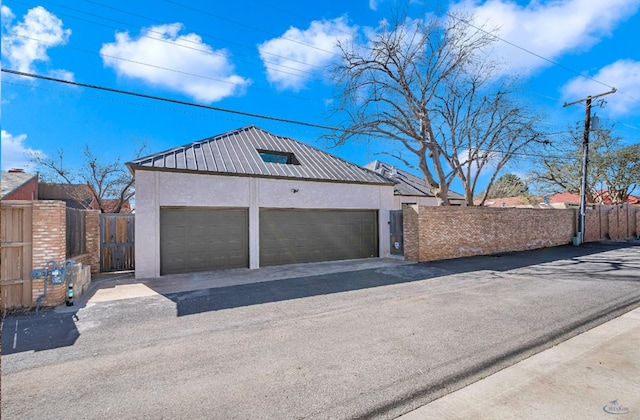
{"x": 217, "y": 298}
{"x": 37, "y": 332}
{"x": 50, "y": 329}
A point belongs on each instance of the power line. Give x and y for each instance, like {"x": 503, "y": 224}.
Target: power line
{"x": 247, "y": 60}
{"x": 247, "y": 114}
{"x": 235, "y": 112}
{"x": 127, "y": 60}
{"x": 466, "y": 22}
{"x": 175, "y": 101}
{"x": 164, "y": 68}
{"x": 102, "y": 98}
{"x": 206, "y": 35}
{"x": 528, "y": 51}
{"x": 204, "y": 12}
{"x": 290, "y": 12}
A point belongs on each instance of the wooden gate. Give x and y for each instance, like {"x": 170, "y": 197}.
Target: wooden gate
{"x": 15, "y": 265}
{"x": 117, "y": 242}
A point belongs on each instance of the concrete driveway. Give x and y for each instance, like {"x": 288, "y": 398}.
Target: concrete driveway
{"x": 370, "y": 343}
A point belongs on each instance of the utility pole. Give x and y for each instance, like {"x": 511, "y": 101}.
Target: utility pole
{"x": 585, "y": 161}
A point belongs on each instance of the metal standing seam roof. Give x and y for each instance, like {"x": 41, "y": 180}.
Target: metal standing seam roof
{"x": 406, "y": 183}
{"x": 237, "y": 153}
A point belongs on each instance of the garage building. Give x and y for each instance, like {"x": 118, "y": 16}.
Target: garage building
{"x": 249, "y": 198}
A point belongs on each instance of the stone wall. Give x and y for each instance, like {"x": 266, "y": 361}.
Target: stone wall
{"x": 435, "y": 233}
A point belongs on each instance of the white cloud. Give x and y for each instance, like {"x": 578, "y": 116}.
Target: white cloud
{"x": 7, "y": 15}
{"x": 15, "y": 154}
{"x": 27, "y": 41}
{"x": 373, "y": 4}
{"x": 294, "y": 58}
{"x": 548, "y": 29}
{"x": 62, "y": 74}
{"x": 205, "y": 74}
{"x": 624, "y": 75}
{"x": 469, "y": 158}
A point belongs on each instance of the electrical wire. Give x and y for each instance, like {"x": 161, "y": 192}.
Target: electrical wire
{"x": 204, "y": 12}
{"x": 166, "y": 68}
{"x": 247, "y": 59}
{"x": 464, "y": 21}
{"x": 235, "y": 112}
{"x": 103, "y": 98}
{"x": 528, "y": 51}
{"x": 206, "y": 35}
{"x": 164, "y": 99}
{"x": 261, "y": 30}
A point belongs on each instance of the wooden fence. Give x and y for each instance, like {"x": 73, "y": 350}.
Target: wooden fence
{"x": 15, "y": 265}
{"x": 117, "y": 242}
{"x": 76, "y": 232}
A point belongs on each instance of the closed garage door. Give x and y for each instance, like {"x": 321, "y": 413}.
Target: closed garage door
{"x": 201, "y": 239}
{"x": 296, "y": 236}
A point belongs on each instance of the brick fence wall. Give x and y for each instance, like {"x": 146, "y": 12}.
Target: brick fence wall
{"x": 434, "y": 233}
{"x": 92, "y": 257}
{"x": 49, "y": 244}
{"x": 49, "y": 232}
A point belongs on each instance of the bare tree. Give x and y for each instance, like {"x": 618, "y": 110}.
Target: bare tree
{"x": 426, "y": 86}
{"x": 95, "y": 182}
{"x": 613, "y": 170}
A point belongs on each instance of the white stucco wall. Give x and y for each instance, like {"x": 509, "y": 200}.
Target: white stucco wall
{"x": 398, "y": 200}
{"x": 155, "y": 189}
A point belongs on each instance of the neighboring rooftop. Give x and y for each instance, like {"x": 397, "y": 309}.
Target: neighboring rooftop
{"x": 406, "y": 183}
{"x": 605, "y": 198}
{"x": 568, "y": 198}
{"x": 14, "y": 179}
{"x": 256, "y": 152}
{"x": 77, "y": 196}
{"x": 558, "y": 200}
{"x": 109, "y": 206}
{"x": 518, "y": 201}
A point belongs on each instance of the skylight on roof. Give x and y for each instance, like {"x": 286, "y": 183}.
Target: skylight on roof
{"x": 282, "y": 158}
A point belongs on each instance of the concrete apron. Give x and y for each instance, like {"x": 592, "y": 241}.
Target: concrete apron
{"x": 593, "y": 375}
{"x": 125, "y": 286}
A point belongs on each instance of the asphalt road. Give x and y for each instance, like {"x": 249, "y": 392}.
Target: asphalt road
{"x": 365, "y": 344}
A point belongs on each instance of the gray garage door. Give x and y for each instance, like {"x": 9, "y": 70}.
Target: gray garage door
{"x": 296, "y": 236}
{"x": 201, "y": 239}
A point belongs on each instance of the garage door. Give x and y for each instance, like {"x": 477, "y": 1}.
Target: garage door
{"x": 296, "y": 236}
{"x": 201, "y": 239}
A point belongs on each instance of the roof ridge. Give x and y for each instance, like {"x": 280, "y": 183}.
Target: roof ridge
{"x": 317, "y": 164}
{"x": 193, "y": 143}
{"x": 412, "y": 181}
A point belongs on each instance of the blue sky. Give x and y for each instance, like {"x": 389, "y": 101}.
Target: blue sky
{"x": 271, "y": 58}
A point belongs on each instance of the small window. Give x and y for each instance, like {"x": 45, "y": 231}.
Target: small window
{"x": 282, "y": 158}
